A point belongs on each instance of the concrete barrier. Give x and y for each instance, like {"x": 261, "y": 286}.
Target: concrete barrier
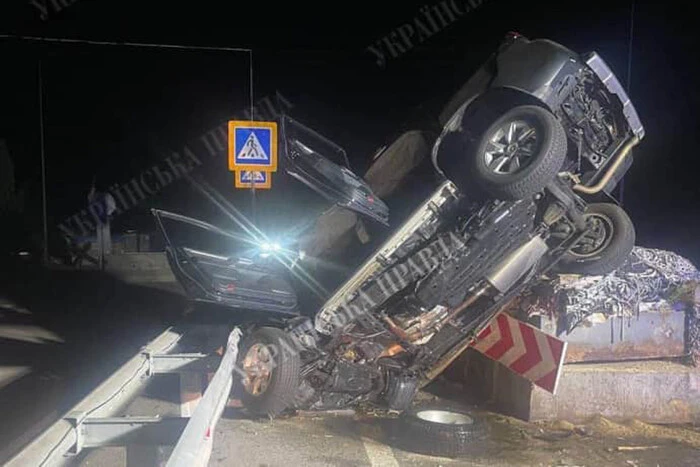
{"x": 652, "y": 391}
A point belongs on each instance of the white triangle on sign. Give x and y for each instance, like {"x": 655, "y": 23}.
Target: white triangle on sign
{"x": 252, "y": 150}
{"x": 249, "y": 176}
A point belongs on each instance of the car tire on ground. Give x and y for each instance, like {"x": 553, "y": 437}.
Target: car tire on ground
{"x": 268, "y": 371}
{"x": 606, "y": 246}
{"x": 437, "y": 430}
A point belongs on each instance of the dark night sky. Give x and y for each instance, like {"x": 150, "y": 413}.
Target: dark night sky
{"x": 118, "y": 111}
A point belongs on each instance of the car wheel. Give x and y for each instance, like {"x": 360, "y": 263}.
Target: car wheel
{"x": 268, "y": 372}
{"x": 437, "y": 430}
{"x": 605, "y": 246}
{"x": 519, "y": 153}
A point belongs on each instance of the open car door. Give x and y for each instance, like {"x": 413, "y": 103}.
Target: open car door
{"x": 213, "y": 265}
{"x": 307, "y": 157}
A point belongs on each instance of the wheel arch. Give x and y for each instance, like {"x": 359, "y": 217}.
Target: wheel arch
{"x": 491, "y": 99}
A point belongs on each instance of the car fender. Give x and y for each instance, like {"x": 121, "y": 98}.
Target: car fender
{"x": 537, "y": 71}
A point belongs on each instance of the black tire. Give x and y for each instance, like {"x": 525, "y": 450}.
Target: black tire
{"x": 284, "y": 377}
{"x": 547, "y": 148}
{"x": 401, "y": 391}
{"x": 419, "y": 430}
{"x": 612, "y": 253}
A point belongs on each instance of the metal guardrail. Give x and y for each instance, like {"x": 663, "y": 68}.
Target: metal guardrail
{"x": 195, "y": 444}
{"x": 93, "y": 422}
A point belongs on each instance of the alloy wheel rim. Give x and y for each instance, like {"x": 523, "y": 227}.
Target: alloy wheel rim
{"x": 597, "y": 237}
{"x": 257, "y": 366}
{"x": 512, "y": 147}
{"x": 445, "y": 417}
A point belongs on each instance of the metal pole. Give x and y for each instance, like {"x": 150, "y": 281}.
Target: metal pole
{"x": 252, "y": 100}
{"x": 629, "y": 85}
{"x": 252, "y": 202}
{"x": 61, "y": 40}
{"x": 100, "y": 237}
{"x": 252, "y": 117}
{"x": 43, "y": 167}
{"x": 629, "y": 49}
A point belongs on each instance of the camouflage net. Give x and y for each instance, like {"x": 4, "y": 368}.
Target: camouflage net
{"x": 650, "y": 280}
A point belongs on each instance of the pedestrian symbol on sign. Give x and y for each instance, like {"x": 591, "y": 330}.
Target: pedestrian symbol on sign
{"x": 253, "y": 179}
{"x": 250, "y": 176}
{"x": 252, "y": 146}
{"x": 252, "y": 150}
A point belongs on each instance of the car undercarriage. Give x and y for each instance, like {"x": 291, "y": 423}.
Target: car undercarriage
{"x": 525, "y": 159}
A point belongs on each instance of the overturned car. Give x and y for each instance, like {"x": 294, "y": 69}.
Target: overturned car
{"x": 533, "y": 145}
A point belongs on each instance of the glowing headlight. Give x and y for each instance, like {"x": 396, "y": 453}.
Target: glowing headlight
{"x": 270, "y": 246}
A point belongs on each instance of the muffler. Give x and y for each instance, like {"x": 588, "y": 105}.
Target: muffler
{"x": 519, "y": 262}
{"x": 501, "y": 278}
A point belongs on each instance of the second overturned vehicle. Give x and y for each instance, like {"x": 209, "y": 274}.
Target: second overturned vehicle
{"x": 533, "y": 146}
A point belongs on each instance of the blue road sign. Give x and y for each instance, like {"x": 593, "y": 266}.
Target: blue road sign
{"x": 253, "y": 179}
{"x": 252, "y": 146}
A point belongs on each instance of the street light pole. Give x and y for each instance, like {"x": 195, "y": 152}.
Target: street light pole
{"x": 43, "y": 167}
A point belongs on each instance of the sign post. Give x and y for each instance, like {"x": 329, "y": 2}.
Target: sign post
{"x": 252, "y": 155}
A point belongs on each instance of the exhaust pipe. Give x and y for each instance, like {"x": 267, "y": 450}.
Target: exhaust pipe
{"x": 502, "y": 278}
{"x": 511, "y": 269}
{"x": 507, "y": 273}
{"x": 590, "y": 190}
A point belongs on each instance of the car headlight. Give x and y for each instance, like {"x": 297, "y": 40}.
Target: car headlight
{"x": 270, "y": 246}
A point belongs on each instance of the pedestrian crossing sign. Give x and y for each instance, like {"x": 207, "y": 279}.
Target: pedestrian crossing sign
{"x": 252, "y": 146}
{"x": 253, "y": 179}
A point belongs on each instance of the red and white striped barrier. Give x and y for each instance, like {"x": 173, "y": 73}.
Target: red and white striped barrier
{"x": 523, "y": 349}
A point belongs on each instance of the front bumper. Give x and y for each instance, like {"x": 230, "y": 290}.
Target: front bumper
{"x": 601, "y": 69}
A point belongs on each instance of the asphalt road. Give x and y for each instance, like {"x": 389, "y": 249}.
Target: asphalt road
{"x": 350, "y": 439}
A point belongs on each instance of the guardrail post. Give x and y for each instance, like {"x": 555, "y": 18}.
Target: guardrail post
{"x": 76, "y": 419}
